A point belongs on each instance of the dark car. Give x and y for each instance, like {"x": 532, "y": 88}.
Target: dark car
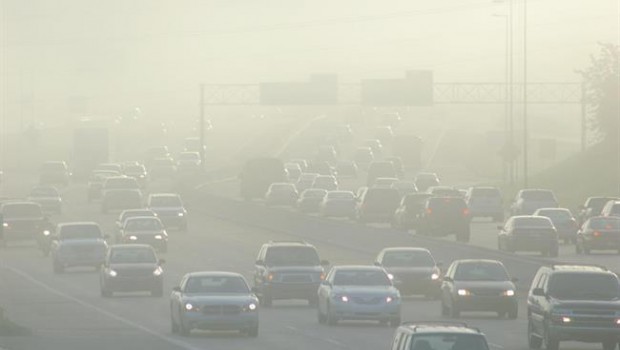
{"x": 138, "y": 172}
{"x": 281, "y": 193}
{"x": 338, "y": 204}
{"x": 310, "y": 199}
{"x": 48, "y": 197}
{"x": 288, "y": 270}
{"x": 528, "y": 233}
{"x": 425, "y": 180}
{"x": 77, "y": 244}
{"x": 611, "y": 208}
{"x": 443, "y": 335}
{"x": 563, "y": 221}
{"x": 131, "y": 268}
{"x": 443, "y": 216}
{"x": 413, "y": 270}
{"x": 592, "y": 207}
{"x": 405, "y": 187}
{"x": 478, "y": 285}
{"x": 599, "y": 233}
{"x": 258, "y": 174}
{"x": 169, "y": 208}
{"x": 485, "y": 202}
{"x": 23, "y": 221}
{"x": 573, "y": 303}
{"x": 54, "y": 173}
{"x": 145, "y": 230}
{"x": 377, "y": 205}
{"x": 411, "y": 207}
{"x": 380, "y": 169}
{"x": 527, "y": 201}
{"x": 325, "y": 182}
{"x": 443, "y": 191}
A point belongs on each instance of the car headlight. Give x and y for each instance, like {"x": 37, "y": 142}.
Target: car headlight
{"x": 390, "y": 276}
{"x": 463, "y": 292}
{"x": 181, "y": 214}
{"x": 509, "y": 293}
{"x": 112, "y": 273}
{"x": 434, "y": 277}
{"x": 5, "y": 224}
{"x": 342, "y": 298}
{"x": 46, "y": 232}
{"x": 159, "y": 237}
{"x": 390, "y": 299}
{"x": 190, "y": 307}
{"x": 250, "y": 307}
{"x": 133, "y": 238}
{"x": 158, "y": 271}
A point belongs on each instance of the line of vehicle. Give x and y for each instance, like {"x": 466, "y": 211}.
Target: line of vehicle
{"x": 101, "y": 311}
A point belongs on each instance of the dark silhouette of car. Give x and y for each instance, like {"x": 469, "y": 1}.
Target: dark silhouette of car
{"x": 598, "y": 233}
{"x": 443, "y": 216}
{"x": 528, "y": 233}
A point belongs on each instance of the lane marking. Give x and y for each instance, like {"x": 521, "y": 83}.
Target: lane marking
{"x": 310, "y": 336}
{"x": 495, "y": 345}
{"x": 101, "y": 311}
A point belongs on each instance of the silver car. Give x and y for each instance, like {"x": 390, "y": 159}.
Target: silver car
{"x": 146, "y": 230}
{"x": 169, "y": 209}
{"x": 358, "y": 293}
{"x": 213, "y": 301}
{"x": 78, "y": 244}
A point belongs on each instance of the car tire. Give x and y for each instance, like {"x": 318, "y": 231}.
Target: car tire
{"x": 183, "y": 329}
{"x": 331, "y": 319}
{"x": 550, "y": 343}
{"x": 534, "y": 342}
{"x": 253, "y": 332}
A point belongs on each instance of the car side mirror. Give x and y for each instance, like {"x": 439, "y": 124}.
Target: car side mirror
{"x": 447, "y": 278}
{"x": 176, "y": 289}
{"x": 324, "y": 263}
{"x": 260, "y": 263}
{"x": 539, "y": 292}
{"x": 377, "y": 263}
{"x": 162, "y": 261}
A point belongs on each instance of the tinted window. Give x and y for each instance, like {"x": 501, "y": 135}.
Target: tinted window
{"x": 538, "y": 195}
{"x": 165, "y": 201}
{"x": 448, "y": 342}
{"x": 605, "y": 224}
{"x": 292, "y": 256}
{"x": 216, "y": 285}
{"x": 556, "y": 215}
{"x": 80, "y": 232}
{"x": 407, "y": 259}
{"x": 361, "y": 278}
{"x": 25, "y": 210}
{"x": 480, "y": 272}
{"x": 132, "y": 256}
{"x": 593, "y": 286}
{"x": 485, "y": 192}
{"x": 533, "y": 221}
{"x": 143, "y": 225}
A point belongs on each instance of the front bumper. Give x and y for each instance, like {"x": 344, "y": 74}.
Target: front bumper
{"x": 486, "y": 303}
{"x": 132, "y": 284}
{"x": 584, "y": 333}
{"x": 241, "y": 321}
{"x": 355, "y": 311}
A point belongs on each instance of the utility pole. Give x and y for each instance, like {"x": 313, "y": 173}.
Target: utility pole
{"x": 511, "y": 90}
{"x": 525, "y": 126}
{"x": 202, "y": 127}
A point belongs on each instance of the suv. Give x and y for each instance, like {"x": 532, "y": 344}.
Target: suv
{"x": 592, "y": 207}
{"x": 438, "y": 335}
{"x": 485, "y": 202}
{"x": 612, "y": 208}
{"x": 573, "y": 303}
{"x": 527, "y": 201}
{"x": 444, "y": 216}
{"x": 288, "y": 270}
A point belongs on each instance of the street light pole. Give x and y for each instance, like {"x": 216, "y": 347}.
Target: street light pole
{"x": 525, "y": 126}
{"x": 202, "y": 126}
{"x": 511, "y": 90}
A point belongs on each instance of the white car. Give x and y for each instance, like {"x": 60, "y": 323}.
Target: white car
{"x": 358, "y": 293}
{"x": 213, "y": 301}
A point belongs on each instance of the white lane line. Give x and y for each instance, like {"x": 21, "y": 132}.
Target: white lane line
{"x": 102, "y": 311}
{"x": 327, "y": 340}
{"x": 495, "y": 346}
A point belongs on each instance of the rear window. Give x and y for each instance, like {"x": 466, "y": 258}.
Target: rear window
{"x": 556, "y": 215}
{"x": 314, "y": 193}
{"x": 447, "y": 203}
{"x": 80, "y": 232}
{"x": 165, "y": 201}
{"x": 605, "y": 224}
{"x": 538, "y": 195}
{"x": 485, "y": 192}
{"x": 533, "y": 221}
{"x": 292, "y": 256}
{"x": 19, "y": 211}
{"x": 443, "y": 341}
{"x": 597, "y": 203}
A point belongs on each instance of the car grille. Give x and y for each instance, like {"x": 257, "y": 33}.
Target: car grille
{"x": 593, "y": 321}
{"x": 296, "y": 278}
{"x": 136, "y": 272}
{"x": 486, "y": 291}
{"x": 221, "y": 309}
{"x": 367, "y": 300}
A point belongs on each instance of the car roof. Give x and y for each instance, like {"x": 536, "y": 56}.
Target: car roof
{"x": 357, "y": 267}
{"x": 131, "y": 246}
{"x": 289, "y": 244}
{"x": 77, "y": 223}
{"x": 405, "y": 249}
{"x": 164, "y": 195}
{"x": 213, "y": 273}
{"x": 439, "y": 327}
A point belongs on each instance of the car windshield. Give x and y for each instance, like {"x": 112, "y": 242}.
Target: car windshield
{"x": 314, "y": 193}
{"x": 556, "y": 215}
{"x": 485, "y": 192}
{"x": 584, "y": 286}
{"x": 340, "y": 195}
{"x": 408, "y": 259}
{"x": 361, "y": 278}
{"x": 44, "y": 192}
{"x": 132, "y": 256}
{"x": 68, "y": 232}
{"x": 480, "y": 272}
{"x": 19, "y": 211}
{"x": 605, "y": 223}
{"x": 533, "y": 222}
{"x": 443, "y": 341}
{"x": 151, "y": 224}
{"x": 165, "y": 201}
{"x": 216, "y": 285}
{"x": 538, "y": 196}
{"x": 292, "y": 256}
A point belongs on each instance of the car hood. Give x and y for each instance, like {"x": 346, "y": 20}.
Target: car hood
{"x": 427, "y": 270}
{"x": 82, "y": 242}
{"x": 603, "y": 305}
{"x": 484, "y": 284}
{"x": 230, "y": 299}
{"x": 134, "y": 266}
{"x": 365, "y": 290}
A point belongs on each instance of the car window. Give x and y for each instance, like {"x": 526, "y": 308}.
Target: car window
{"x": 18, "y": 211}
{"x": 132, "y": 256}
{"x": 291, "y": 256}
{"x": 584, "y": 286}
{"x": 407, "y": 259}
{"x": 143, "y": 225}
{"x": 361, "y": 278}
{"x": 216, "y": 285}
{"x": 605, "y": 224}
{"x": 443, "y": 341}
{"x": 532, "y": 221}
{"x": 480, "y": 272}
{"x": 80, "y": 232}
{"x": 165, "y": 201}
{"x": 556, "y": 215}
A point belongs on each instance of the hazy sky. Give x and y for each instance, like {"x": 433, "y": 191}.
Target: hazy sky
{"x": 118, "y": 54}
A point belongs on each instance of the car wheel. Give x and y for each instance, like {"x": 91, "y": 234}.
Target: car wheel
{"x": 534, "y": 341}
{"x": 395, "y": 321}
{"x": 184, "y": 330}
{"x": 58, "y": 268}
{"x": 331, "y": 319}
{"x": 253, "y": 332}
{"x": 550, "y": 342}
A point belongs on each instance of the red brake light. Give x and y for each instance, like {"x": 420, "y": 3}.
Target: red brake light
{"x": 465, "y": 212}
{"x": 429, "y": 211}
{"x": 596, "y": 234}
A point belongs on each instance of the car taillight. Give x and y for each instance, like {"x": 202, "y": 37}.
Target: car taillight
{"x": 466, "y": 212}
{"x": 429, "y": 211}
{"x": 322, "y": 276}
{"x": 596, "y": 234}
